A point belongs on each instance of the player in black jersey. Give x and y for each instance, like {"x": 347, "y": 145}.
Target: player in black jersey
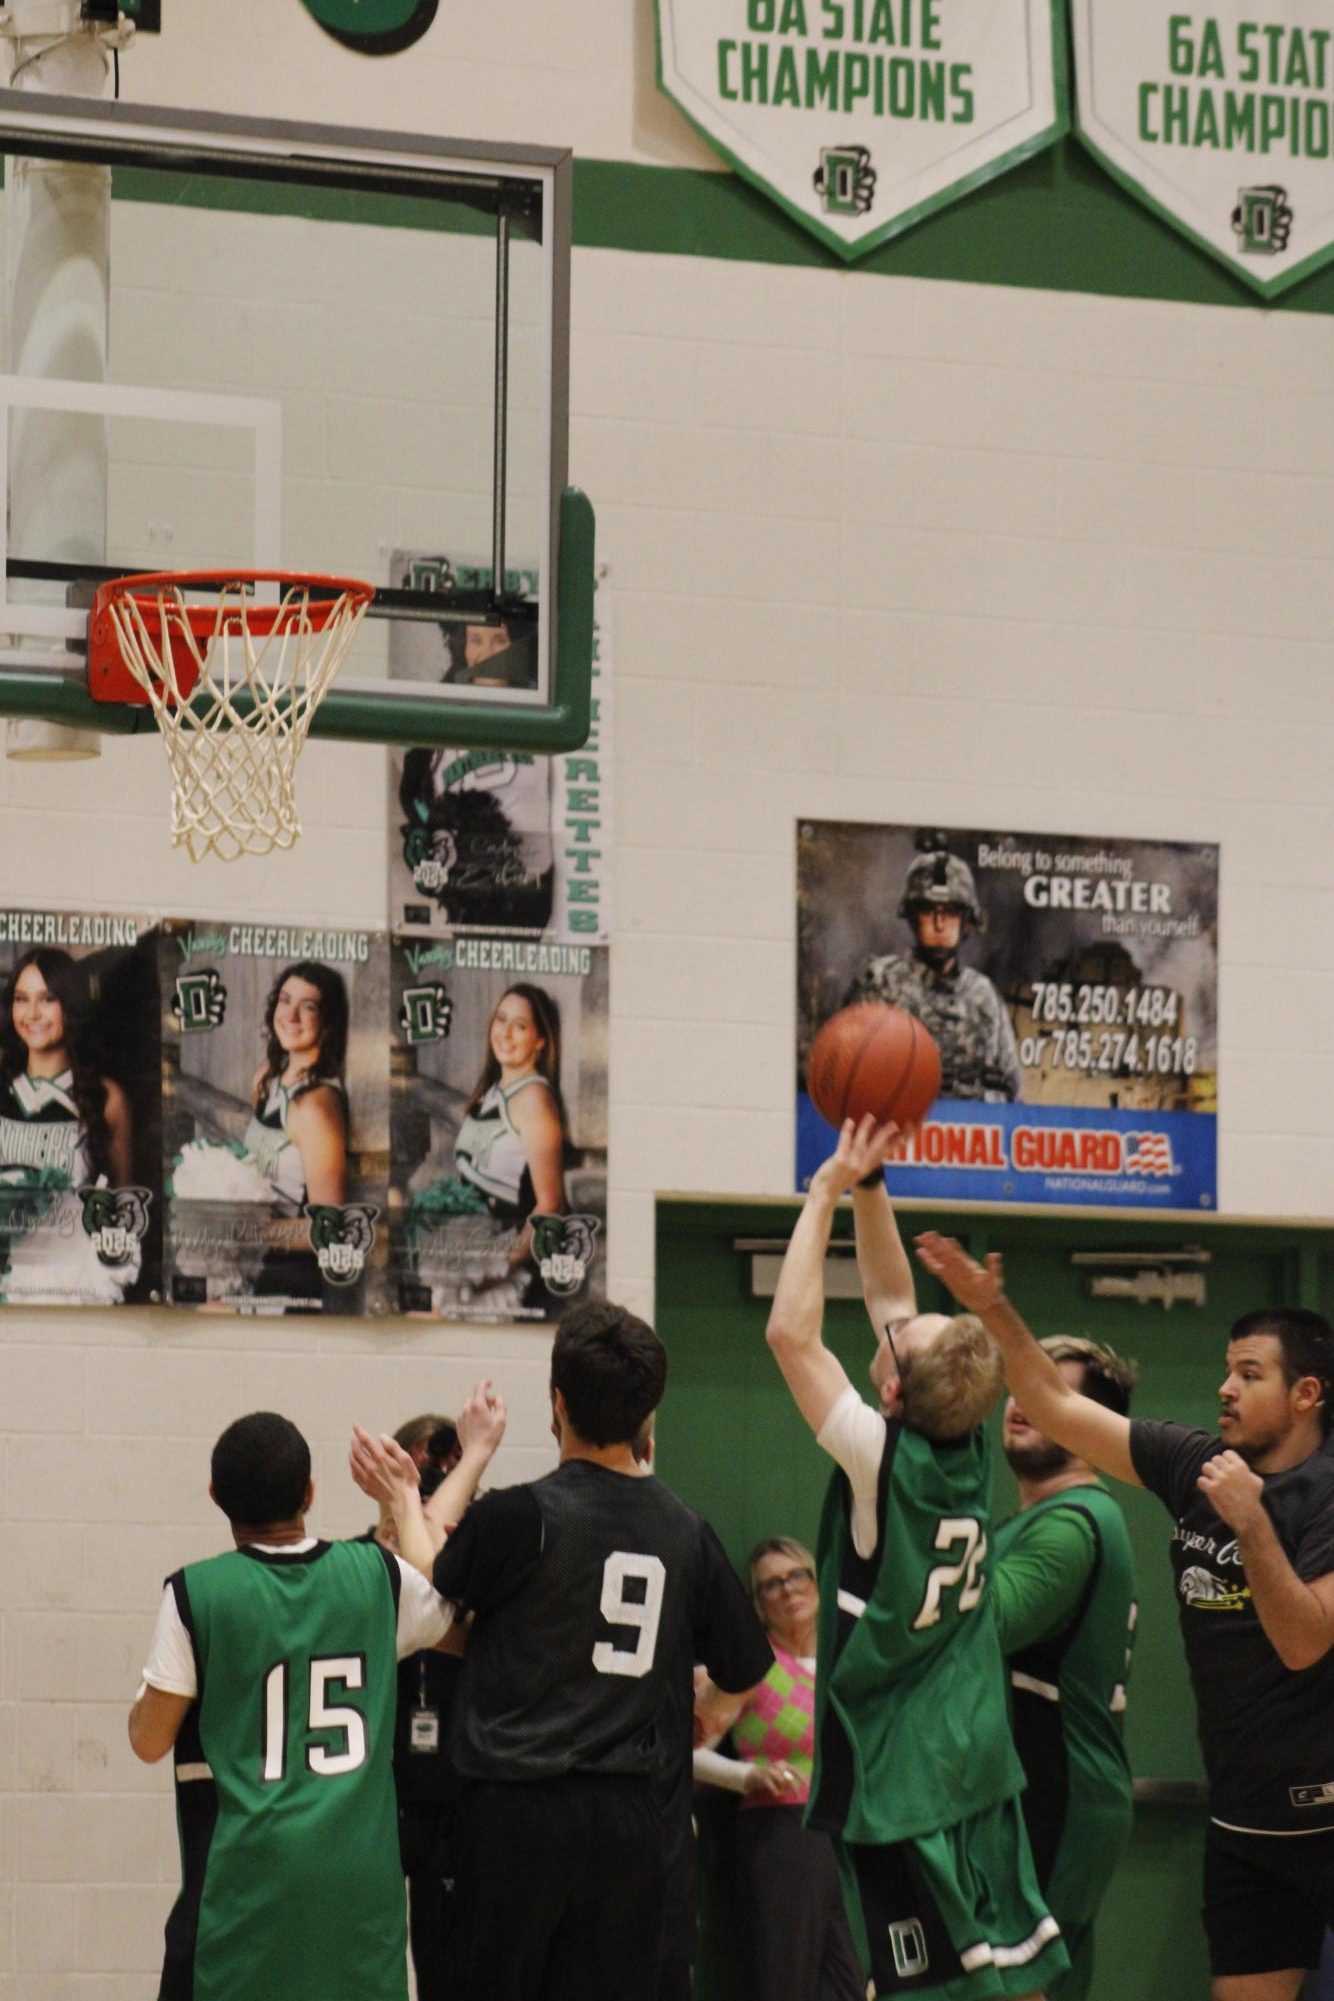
{"x": 593, "y": 1593}
{"x": 1253, "y": 1557}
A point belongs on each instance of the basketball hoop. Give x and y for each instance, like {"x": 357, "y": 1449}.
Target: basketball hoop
{"x": 233, "y": 684}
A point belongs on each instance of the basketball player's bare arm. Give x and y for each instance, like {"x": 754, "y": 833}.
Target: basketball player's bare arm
{"x": 1286, "y": 1985}
{"x": 155, "y": 1720}
{"x": 481, "y": 1426}
{"x": 1047, "y": 1400}
{"x": 815, "y": 1376}
{"x": 386, "y": 1473}
{"x": 1298, "y": 1616}
{"x": 888, "y": 1285}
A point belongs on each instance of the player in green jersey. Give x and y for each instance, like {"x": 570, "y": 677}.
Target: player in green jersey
{"x": 1065, "y": 1607}
{"x": 916, "y": 1774}
{"x": 273, "y": 1679}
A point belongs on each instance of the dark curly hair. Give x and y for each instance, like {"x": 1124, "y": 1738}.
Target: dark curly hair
{"x": 260, "y": 1469}
{"x": 66, "y": 981}
{"x": 331, "y": 1056}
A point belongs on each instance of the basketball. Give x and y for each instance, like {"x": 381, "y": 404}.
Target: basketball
{"x": 873, "y": 1058}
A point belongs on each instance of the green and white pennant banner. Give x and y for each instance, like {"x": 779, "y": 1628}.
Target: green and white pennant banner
{"x": 1220, "y": 121}
{"x": 860, "y": 117}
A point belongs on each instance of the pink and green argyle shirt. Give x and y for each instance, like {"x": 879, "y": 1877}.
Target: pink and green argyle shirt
{"x": 777, "y": 1726}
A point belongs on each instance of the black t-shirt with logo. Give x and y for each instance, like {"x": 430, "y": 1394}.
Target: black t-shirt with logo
{"x": 1267, "y": 1731}
{"x": 595, "y": 1592}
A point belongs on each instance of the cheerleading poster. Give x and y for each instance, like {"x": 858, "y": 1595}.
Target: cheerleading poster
{"x": 275, "y": 1117}
{"x": 504, "y": 842}
{"x": 498, "y": 1184}
{"x": 1070, "y": 983}
{"x": 80, "y": 1186}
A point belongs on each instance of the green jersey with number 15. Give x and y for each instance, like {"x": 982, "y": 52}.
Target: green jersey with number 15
{"x": 912, "y": 1733}
{"x": 284, "y": 1780}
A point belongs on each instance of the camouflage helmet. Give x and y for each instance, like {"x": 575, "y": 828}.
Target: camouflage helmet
{"x": 939, "y": 877}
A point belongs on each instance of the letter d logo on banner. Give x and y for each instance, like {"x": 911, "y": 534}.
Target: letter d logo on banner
{"x": 374, "y": 27}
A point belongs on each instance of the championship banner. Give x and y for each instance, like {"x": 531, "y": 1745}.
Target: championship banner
{"x": 1220, "y": 121}
{"x": 1070, "y": 983}
{"x": 275, "y": 1116}
{"x": 497, "y": 841}
{"x": 80, "y": 1180}
{"x": 861, "y": 117}
{"x": 498, "y": 1178}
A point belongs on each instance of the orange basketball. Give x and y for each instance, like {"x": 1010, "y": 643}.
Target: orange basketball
{"x": 873, "y": 1058}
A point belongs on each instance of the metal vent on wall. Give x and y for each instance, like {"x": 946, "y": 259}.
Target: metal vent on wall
{"x": 1149, "y": 1278}
{"x": 841, "y": 1277}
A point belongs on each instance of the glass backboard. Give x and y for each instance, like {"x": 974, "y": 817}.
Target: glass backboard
{"x": 326, "y": 350}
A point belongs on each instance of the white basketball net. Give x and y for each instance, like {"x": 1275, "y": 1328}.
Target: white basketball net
{"x": 233, "y": 742}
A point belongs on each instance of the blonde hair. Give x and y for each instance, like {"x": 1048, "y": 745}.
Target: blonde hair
{"x": 777, "y": 1545}
{"x": 955, "y": 1383}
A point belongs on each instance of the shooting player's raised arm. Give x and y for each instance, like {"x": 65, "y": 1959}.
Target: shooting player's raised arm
{"x": 888, "y": 1285}
{"x": 795, "y": 1333}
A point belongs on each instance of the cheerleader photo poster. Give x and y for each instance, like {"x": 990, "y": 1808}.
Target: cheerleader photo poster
{"x": 275, "y": 1117}
{"x": 80, "y": 1181}
{"x": 498, "y": 1188}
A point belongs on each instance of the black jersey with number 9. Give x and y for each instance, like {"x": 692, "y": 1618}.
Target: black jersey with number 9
{"x": 594, "y": 1592}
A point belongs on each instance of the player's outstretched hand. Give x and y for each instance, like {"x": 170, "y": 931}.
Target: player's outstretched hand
{"x": 380, "y": 1466}
{"x": 975, "y": 1286}
{"x": 482, "y": 1420}
{"x": 1232, "y": 1490}
{"x": 863, "y": 1146}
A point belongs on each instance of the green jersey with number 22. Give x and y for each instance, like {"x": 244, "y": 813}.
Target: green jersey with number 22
{"x": 911, "y": 1727}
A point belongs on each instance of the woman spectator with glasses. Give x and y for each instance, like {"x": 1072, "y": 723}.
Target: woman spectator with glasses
{"x": 801, "y": 1945}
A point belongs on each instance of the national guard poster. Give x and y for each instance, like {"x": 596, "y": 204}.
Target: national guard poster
{"x": 80, "y": 1180}
{"x": 1221, "y": 120}
{"x": 498, "y": 841}
{"x": 498, "y": 1183}
{"x": 1070, "y": 982}
{"x": 861, "y": 117}
{"x": 275, "y": 1116}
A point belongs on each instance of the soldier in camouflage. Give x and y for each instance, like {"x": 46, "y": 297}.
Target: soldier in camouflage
{"x": 959, "y": 1005}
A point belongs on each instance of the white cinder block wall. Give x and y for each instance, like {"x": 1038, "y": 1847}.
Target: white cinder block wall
{"x": 881, "y": 549}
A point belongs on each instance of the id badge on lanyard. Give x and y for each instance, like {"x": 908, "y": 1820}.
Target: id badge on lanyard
{"x": 424, "y": 1721}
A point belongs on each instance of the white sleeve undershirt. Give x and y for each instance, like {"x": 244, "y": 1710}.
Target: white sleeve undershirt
{"x": 171, "y": 1658}
{"x": 854, "y": 1435}
{"x": 423, "y": 1616}
{"x": 713, "y": 1768}
{"x": 423, "y": 1619}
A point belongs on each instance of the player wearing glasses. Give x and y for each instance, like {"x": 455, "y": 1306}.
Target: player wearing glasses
{"x": 915, "y": 1774}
